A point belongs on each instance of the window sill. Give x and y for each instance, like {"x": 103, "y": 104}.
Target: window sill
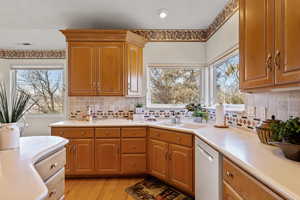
{"x": 43, "y": 116}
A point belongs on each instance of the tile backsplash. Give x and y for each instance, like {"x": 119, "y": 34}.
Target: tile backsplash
{"x": 281, "y": 104}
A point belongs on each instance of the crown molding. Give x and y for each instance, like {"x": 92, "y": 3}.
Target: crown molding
{"x": 190, "y": 35}
{"x": 231, "y": 7}
{"x": 172, "y": 35}
{"x": 32, "y": 54}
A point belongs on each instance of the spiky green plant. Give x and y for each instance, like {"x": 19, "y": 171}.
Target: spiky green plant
{"x": 12, "y": 113}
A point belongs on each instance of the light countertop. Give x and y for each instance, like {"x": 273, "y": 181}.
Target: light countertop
{"x": 18, "y": 177}
{"x": 265, "y": 162}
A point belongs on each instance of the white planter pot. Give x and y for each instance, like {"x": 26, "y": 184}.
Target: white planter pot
{"x": 9, "y": 136}
{"x": 139, "y": 110}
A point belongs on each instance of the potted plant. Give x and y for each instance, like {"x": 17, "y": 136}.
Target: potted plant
{"x": 10, "y": 114}
{"x": 199, "y": 116}
{"x": 199, "y": 113}
{"x": 139, "y": 108}
{"x": 286, "y": 135}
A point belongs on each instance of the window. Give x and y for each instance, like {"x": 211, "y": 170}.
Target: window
{"x": 46, "y": 86}
{"x": 227, "y": 82}
{"x": 173, "y": 86}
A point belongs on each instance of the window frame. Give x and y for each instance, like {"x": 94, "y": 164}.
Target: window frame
{"x": 13, "y": 79}
{"x": 201, "y": 67}
{"x": 213, "y": 83}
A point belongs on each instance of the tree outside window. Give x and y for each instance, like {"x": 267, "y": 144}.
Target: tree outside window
{"x": 46, "y": 86}
{"x": 227, "y": 82}
{"x": 174, "y": 86}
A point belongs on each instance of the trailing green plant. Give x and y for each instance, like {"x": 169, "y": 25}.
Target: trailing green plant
{"x": 139, "y": 105}
{"x": 288, "y": 131}
{"x": 12, "y": 113}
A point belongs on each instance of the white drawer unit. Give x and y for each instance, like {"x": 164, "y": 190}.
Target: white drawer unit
{"x": 56, "y": 186}
{"x": 49, "y": 166}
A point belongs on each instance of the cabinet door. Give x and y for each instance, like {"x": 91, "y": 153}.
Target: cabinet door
{"x": 82, "y": 80}
{"x": 107, "y": 155}
{"x": 287, "y": 59}
{"x": 69, "y": 158}
{"x": 110, "y": 70}
{"x": 83, "y": 161}
{"x": 158, "y": 159}
{"x": 181, "y": 166}
{"x": 134, "y": 70}
{"x": 256, "y": 43}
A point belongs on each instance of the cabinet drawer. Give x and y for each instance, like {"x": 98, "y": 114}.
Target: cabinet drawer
{"x": 108, "y": 132}
{"x": 133, "y": 132}
{"x": 56, "y": 186}
{"x": 73, "y": 132}
{"x": 244, "y": 184}
{"x": 136, "y": 145}
{"x": 133, "y": 163}
{"x": 171, "y": 136}
{"x": 52, "y": 164}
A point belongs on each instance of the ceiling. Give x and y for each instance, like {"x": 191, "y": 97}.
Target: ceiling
{"x": 38, "y": 21}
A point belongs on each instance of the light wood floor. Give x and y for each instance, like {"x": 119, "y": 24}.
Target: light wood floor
{"x": 99, "y": 189}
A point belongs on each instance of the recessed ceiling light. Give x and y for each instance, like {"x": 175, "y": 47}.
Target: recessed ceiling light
{"x": 163, "y": 13}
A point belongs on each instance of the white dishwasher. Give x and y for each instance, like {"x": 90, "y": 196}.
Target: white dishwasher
{"x": 208, "y": 172}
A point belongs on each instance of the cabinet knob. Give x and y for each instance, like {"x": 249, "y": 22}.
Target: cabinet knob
{"x": 82, "y": 133}
{"x": 229, "y": 174}
{"x": 61, "y": 133}
{"x": 277, "y": 59}
{"x": 53, "y": 166}
{"x": 269, "y": 61}
{"x": 52, "y": 193}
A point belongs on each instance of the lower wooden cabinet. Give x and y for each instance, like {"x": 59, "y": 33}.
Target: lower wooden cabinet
{"x": 133, "y": 163}
{"x": 158, "y": 161}
{"x": 82, "y": 156}
{"x": 107, "y": 154}
{"x": 172, "y": 163}
{"x": 239, "y": 185}
{"x": 180, "y": 166}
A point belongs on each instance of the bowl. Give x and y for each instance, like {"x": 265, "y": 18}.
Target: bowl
{"x": 291, "y": 151}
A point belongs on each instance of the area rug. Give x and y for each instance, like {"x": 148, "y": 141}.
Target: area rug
{"x": 153, "y": 189}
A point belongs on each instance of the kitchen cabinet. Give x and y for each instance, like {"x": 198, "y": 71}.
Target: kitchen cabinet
{"x": 83, "y": 156}
{"x": 107, "y": 154}
{"x": 287, "y": 47}
{"x": 180, "y": 165}
{"x": 158, "y": 159}
{"x": 80, "y": 157}
{"x": 268, "y": 51}
{"x": 239, "y": 185}
{"x": 82, "y": 79}
{"x": 134, "y": 70}
{"x": 104, "y": 62}
{"x": 171, "y": 158}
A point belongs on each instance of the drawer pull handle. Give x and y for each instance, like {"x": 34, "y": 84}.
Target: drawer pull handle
{"x": 230, "y": 175}
{"x": 178, "y": 138}
{"x": 52, "y": 193}
{"x": 53, "y": 166}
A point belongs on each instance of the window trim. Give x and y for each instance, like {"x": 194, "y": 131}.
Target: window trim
{"x": 201, "y": 67}
{"x": 15, "y": 67}
{"x": 213, "y": 94}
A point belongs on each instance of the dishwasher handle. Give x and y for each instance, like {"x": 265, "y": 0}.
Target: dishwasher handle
{"x": 206, "y": 154}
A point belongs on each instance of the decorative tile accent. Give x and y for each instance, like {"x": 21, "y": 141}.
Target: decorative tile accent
{"x": 173, "y": 35}
{"x": 32, "y": 54}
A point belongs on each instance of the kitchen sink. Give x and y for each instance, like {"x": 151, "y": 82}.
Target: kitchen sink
{"x": 186, "y": 125}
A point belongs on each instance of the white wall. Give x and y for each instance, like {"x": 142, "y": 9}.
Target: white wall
{"x": 37, "y": 125}
{"x": 226, "y": 38}
{"x": 174, "y": 52}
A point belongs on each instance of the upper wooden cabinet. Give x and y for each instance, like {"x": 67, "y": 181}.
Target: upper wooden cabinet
{"x": 104, "y": 62}
{"x": 287, "y": 48}
{"x": 268, "y": 51}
